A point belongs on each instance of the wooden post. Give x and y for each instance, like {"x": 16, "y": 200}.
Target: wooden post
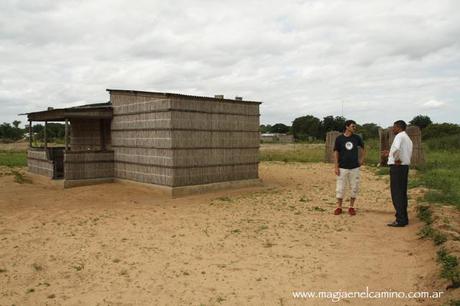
{"x": 66, "y": 137}
{"x": 45, "y": 136}
{"x": 30, "y": 133}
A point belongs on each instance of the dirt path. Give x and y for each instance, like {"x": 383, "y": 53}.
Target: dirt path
{"x": 123, "y": 244}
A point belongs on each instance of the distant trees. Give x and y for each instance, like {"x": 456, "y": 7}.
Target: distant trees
{"x": 11, "y": 132}
{"x": 306, "y": 127}
{"x": 368, "y": 130}
{"x": 280, "y": 128}
{"x": 276, "y": 128}
{"x": 437, "y": 130}
{"x": 265, "y": 128}
{"x": 421, "y": 121}
{"x": 54, "y": 131}
{"x": 310, "y": 127}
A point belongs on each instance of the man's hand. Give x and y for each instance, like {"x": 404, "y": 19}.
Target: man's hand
{"x": 385, "y": 153}
{"x": 398, "y": 162}
{"x": 337, "y": 170}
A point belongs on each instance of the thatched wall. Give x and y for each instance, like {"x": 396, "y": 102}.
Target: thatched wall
{"x": 80, "y": 165}
{"x": 179, "y": 141}
{"x": 414, "y": 132}
{"x": 38, "y": 162}
{"x": 90, "y": 134}
{"x": 330, "y": 142}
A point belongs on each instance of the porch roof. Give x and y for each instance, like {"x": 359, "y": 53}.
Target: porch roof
{"x": 88, "y": 111}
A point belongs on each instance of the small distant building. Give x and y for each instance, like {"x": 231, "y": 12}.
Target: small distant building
{"x": 165, "y": 139}
{"x": 276, "y": 138}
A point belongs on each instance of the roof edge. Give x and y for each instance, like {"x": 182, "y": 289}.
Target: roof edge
{"x": 168, "y": 95}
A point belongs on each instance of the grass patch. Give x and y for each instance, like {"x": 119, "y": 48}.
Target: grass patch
{"x": 303, "y": 153}
{"x": 19, "y": 178}
{"x": 424, "y": 214}
{"x": 450, "y": 269}
{"x": 449, "y": 264}
{"x": 441, "y": 174}
{"x": 13, "y": 159}
{"x": 382, "y": 171}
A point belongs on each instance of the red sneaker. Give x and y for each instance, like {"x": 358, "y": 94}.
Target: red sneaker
{"x": 351, "y": 211}
{"x": 338, "y": 211}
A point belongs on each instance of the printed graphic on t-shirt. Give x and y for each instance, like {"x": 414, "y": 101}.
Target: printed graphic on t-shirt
{"x": 349, "y": 145}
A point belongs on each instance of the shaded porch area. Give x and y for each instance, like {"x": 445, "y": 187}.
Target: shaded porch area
{"x": 86, "y": 153}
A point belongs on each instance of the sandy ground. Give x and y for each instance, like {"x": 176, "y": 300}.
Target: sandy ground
{"x": 125, "y": 244}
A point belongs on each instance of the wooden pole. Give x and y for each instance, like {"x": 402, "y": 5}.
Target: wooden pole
{"x": 45, "y": 136}
{"x": 30, "y": 134}
{"x": 66, "y": 140}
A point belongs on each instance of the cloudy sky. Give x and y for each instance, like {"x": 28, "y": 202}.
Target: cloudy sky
{"x": 382, "y": 60}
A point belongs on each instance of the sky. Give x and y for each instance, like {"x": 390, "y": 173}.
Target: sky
{"x": 371, "y": 61}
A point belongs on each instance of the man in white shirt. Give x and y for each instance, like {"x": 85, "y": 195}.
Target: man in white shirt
{"x": 399, "y": 160}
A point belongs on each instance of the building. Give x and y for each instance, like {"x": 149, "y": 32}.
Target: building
{"x": 276, "y": 138}
{"x": 169, "y": 140}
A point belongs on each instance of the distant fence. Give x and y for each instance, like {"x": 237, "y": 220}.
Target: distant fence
{"x": 386, "y": 139}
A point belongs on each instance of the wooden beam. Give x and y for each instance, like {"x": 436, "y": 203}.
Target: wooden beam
{"x": 30, "y": 134}
{"x": 66, "y": 140}
{"x": 45, "y": 138}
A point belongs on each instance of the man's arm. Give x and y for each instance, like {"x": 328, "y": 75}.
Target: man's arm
{"x": 395, "y": 147}
{"x": 363, "y": 155}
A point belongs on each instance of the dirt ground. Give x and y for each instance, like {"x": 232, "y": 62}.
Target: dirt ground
{"x": 126, "y": 244}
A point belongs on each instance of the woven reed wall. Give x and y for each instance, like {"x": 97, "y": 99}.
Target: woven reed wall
{"x": 330, "y": 142}
{"x": 88, "y": 165}
{"x": 221, "y": 139}
{"x": 386, "y": 139}
{"x": 39, "y": 163}
{"x": 86, "y": 134}
{"x": 141, "y": 138}
{"x": 177, "y": 142}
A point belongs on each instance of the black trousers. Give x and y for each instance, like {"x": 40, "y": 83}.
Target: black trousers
{"x": 398, "y": 184}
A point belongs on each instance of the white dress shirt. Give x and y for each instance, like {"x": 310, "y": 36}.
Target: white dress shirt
{"x": 401, "y": 149}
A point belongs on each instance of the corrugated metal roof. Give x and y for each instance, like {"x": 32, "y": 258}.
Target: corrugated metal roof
{"x": 167, "y": 94}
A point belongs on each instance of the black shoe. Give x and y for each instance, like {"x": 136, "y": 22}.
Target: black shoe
{"x": 396, "y": 224}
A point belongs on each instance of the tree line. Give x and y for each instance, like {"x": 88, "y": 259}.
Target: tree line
{"x": 308, "y": 128}
{"x": 305, "y": 128}
{"x": 12, "y": 132}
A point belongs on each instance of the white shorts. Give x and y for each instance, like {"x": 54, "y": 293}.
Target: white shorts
{"x": 347, "y": 177}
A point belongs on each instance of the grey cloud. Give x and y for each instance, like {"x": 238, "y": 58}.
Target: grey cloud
{"x": 298, "y": 57}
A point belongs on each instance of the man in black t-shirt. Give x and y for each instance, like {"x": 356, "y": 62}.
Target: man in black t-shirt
{"x": 347, "y": 163}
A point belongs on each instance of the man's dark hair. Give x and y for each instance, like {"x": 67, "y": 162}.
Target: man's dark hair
{"x": 401, "y": 124}
{"x": 348, "y": 122}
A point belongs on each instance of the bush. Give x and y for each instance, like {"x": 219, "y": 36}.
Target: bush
{"x": 448, "y": 143}
{"x": 437, "y": 130}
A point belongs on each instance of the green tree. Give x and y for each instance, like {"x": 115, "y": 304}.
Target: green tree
{"x": 9, "y": 132}
{"x": 369, "y": 130}
{"x": 331, "y": 123}
{"x": 53, "y": 131}
{"x": 279, "y": 128}
{"x": 306, "y": 126}
{"x": 421, "y": 121}
{"x": 265, "y": 128}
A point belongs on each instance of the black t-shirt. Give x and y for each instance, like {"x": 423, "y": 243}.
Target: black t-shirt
{"x": 348, "y": 150}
